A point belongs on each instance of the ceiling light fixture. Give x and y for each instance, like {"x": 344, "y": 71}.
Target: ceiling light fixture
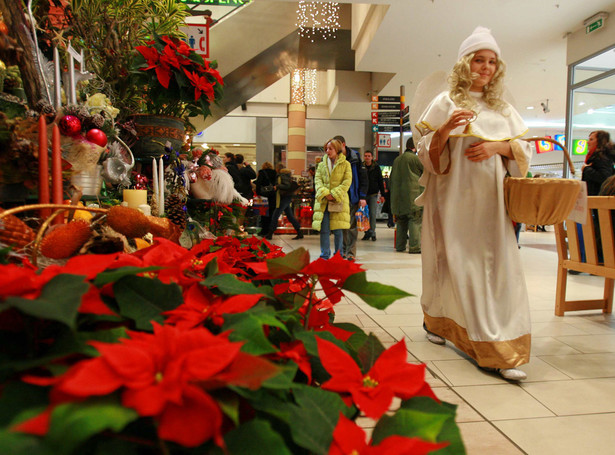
{"x": 318, "y": 19}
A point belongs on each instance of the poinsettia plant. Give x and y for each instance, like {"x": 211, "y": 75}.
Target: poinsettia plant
{"x": 230, "y": 347}
{"x": 177, "y": 81}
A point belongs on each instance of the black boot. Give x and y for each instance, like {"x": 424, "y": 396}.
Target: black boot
{"x": 366, "y": 236}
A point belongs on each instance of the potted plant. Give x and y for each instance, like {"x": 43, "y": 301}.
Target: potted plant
{"x": 176, "y": 83}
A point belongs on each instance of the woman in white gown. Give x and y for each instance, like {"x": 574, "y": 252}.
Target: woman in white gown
{"x": 474, "y": 291}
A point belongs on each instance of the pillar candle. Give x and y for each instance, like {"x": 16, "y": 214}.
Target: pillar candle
{"x": 57, "y": 193}
{"x": 155, "y": 179}
{"x": 135, "y": 198}
{"x": 43, "y": 166}
{"x": 161, "y": 185}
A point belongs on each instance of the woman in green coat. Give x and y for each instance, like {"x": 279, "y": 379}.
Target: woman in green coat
{"x": 332, "y": 180}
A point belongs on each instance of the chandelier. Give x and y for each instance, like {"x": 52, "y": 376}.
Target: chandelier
{"x": 318, "y": 19}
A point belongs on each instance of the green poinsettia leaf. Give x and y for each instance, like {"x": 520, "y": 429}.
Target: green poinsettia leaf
{"x": 450, "y": 430}
{"x": 106, "y": 336}
{"x": 229, "y": 284}
{"x": 249, "y": 328}
{"x": 265, "y": 401}
{"x": 21, "y": 444}
{"x": 284, "y": 379}
{"x": 374, "y": 294}
{"x": 18, "y": 397}
{"x": 255, "y": 437}
{"x": 230, "y": 407}
{"x": 59, "y": 300}
{"x": 309, "y": 341}
{"x": 369, "y": 352}
{"x": 315, "y": 416}
{"x": 211, "y": 268}
{"x": 290, "y": 264}
{"x": 358, "y": 337}
{"x": 111, "y": 276}
{"x": 144, "y": 300}
{"x": 74, "y": 423}
{"x": 424, "y": 418}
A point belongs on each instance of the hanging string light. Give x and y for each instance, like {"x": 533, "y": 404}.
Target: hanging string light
{"x": 303, "y": 86}
{"x": 318, "y": 19}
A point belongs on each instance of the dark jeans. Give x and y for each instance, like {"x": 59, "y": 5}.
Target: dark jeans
{"x": 286, "y": 208}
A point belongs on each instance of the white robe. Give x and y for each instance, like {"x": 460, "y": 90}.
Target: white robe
{"x": 474, "y": 291}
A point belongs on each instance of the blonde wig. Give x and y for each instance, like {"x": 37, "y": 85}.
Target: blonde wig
{"x": 460, "y": 81}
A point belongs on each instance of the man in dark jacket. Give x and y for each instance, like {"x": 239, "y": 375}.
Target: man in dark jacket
{"x": 375, "y": 185}
{"x": 357, "y": 194}
{"x": 246, "y": 175}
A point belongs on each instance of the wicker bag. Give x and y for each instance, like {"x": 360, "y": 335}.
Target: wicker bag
{"x": 541, "y": 201}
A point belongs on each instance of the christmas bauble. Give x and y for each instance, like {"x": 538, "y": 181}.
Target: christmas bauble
{"x": 70, "y": 125}
{"x": 97, "y": 137}
{"x": 141, "y": 182}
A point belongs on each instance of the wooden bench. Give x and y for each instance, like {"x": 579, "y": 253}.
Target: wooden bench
{"x": 569, "y": 256}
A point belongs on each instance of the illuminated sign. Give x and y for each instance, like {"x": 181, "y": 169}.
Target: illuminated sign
{"x": 544, "y": 146}
{"x": 561, "y": 138}
{"x": 579, "y": 147}
{"x": 215, "y": 2}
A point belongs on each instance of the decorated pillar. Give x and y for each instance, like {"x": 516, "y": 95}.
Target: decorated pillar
{"x": 295, "y": 151}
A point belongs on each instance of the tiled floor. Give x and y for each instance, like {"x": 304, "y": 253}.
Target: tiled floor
{"x": 567, "y": 404}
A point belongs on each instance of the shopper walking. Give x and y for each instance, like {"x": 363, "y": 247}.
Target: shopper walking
{"x": 356, "y": 196}
{"x": 265, "y": 183}
{"x": 331, "y": 204}
{"x": 405, "y": 188}
{"x": 474, "y": 291}
{"x": 284, "y": 198}
{"x": 375, "y": 191}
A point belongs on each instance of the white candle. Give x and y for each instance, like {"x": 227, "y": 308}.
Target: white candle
{"x": 161, "y": 185}
{"x": 57, "y": 83}
{"x": 146, "y": 209}
{"x": 135, "y": 198}
{"x": 155, "y": 179}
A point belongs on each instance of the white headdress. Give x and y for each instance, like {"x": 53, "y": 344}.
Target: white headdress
{"x": 481, "y": 38}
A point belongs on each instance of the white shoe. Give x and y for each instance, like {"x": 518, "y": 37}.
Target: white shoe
{"x": 435, "y": 339}
{"x": 512, "y": 374}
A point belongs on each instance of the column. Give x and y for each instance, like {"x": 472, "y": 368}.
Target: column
{"x": 295, "y": 152}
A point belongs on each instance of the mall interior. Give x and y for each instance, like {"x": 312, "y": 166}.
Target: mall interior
{"x": 560, "y": 57}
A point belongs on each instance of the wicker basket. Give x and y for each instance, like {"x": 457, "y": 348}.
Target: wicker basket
{"x": 541, "y": 201}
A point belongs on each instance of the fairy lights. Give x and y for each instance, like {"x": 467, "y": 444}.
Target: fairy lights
{"x": 318, "y": 19}
{"x": 303, "y": 86}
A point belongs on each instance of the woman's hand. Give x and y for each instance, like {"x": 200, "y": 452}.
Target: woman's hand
{"x": 459, "y": 117}
{"x": 328, "y": 197}
{"x": 483, "y": 150}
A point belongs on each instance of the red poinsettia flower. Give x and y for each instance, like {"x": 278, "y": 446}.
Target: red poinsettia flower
{"x": 201, "y": 85}
{"x": 296, "y": 352}
{"x": 335, "y": 268}
{"x": 151, "y": 55}
{"x": 390, "y": 376}
{"x": 348, "y": 438}
{"x": 160, "y": 375}
{"x": 200, "y": 304}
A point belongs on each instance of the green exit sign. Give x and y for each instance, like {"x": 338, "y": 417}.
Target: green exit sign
{"x": 597, "y": 24}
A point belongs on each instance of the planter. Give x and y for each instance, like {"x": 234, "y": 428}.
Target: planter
{"x": 89, "y": 182}
{"x": 153, "y": 132}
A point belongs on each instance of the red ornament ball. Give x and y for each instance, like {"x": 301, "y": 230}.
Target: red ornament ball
{"x": 141, "y": 182}
{"x": 97, "y": 137}
{"x": 70, "y": 125}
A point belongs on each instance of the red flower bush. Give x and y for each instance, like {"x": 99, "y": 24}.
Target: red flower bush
{"x": 177, "y": 81}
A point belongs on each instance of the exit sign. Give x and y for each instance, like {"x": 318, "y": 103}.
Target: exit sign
{"x": 596, "y": 25}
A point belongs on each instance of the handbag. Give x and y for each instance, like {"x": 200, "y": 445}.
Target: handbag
{"x": 335, "y": 206}
{"x": 541, "y": 201}
{"x": 267, "y": 189}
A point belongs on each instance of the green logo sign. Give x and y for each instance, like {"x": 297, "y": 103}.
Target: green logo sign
{"x": 215, "y": 2}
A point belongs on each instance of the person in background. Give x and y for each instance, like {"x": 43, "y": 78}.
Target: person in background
{"x": 284, "y": 197}
{"x": 209, "y": 21}
{"x": 333, "y": 178}
{"x": 356, "y": 194}
{"x": 405, "y": 188}
{"x": 375, "y": 187}
{"x": 266, "y": 178}
{"x": 233, "y": 170}
{"x": 386, "y": 207}
{"x": 474, "y": 292}
{"x": 246, "y": 175}
{"x": 598, "y": 164}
